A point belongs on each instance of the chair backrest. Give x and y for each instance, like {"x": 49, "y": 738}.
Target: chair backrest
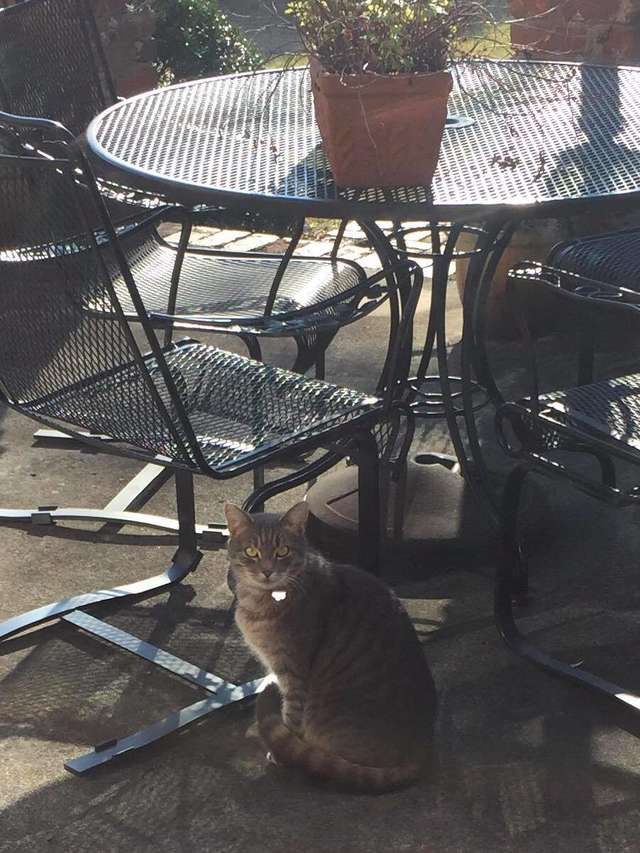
{"x": 52, "y": 64}
{"x": 62, "y": 361}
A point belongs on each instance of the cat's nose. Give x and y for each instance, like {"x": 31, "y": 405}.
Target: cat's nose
{"x": 267, "y": 573}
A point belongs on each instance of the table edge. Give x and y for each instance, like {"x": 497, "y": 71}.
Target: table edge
{"x": 189, "y": 194}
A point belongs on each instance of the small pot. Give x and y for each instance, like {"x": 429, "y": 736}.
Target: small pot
{"x": 381, "y": 130}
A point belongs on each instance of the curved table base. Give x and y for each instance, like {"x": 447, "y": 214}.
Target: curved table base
{"x": 455, "y": 399}
{"x": 431, "y": 511}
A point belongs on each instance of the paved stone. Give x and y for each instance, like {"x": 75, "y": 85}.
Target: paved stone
{"x": 525, "y": 763}
{"x": 250, "y": 243}
{"x": 218, "y": 239}
{"x": 314, "y": 248}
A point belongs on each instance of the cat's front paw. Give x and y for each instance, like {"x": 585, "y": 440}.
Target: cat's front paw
{"x": 271, "y": 759}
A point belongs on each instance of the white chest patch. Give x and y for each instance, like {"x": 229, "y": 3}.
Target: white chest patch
{"x": 278, "y": 595}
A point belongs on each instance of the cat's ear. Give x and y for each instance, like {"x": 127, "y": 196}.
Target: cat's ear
{"x": 296, "y": 518}
{"x": 238, "y": 520}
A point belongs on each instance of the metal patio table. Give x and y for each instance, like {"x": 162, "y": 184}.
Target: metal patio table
{"x": 525, "y": 139}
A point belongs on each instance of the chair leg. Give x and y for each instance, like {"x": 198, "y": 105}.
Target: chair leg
{"x": 370, "y": 533}
{"x": 258, "y": 486}
{"x": 511, "y": 543}
{"x": 227, "y": 694}
{"x": 185, "y": 560}
{"x": 398, "y": 480}
{"x": 122, "y": 509}
{"x": 607, "y": 470}
{"x": 509, "y": 584}
{"x": 297, "y": 478}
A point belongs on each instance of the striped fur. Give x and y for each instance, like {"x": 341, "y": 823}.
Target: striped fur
{"x": 290, "y": 750}
{"x": 355, "y": 702}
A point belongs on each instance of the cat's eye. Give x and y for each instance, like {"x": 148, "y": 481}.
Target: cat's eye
{"x": 252, "y": 552}
{"x": 282, "y": 551}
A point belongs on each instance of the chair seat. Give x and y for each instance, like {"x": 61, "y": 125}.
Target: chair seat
{"x": 611, "y": 258}
{"x": 609, "y": 409}
{"x": 239, "y": 409}
{"x": 230, "y": 287}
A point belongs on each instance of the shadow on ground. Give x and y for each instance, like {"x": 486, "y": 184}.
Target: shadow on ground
{"x": 524, "y": 763}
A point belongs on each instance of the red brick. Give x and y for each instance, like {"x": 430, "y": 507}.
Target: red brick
{"x": 524, "y": 8}
{"x": 590, "y": 30}
{"x": 601, "y": 10}
{"x": 527, "y": 35}
{"x": 140, "y": 78}
{"x": 620, "y": 43}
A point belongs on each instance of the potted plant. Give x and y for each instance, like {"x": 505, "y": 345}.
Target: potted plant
{"x": 380, "y": 84}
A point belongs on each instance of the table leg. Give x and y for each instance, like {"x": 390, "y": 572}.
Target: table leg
{"x": 474, "y": 355}
{"x": 435, "y": 506}
{"x": 492, "y": 242}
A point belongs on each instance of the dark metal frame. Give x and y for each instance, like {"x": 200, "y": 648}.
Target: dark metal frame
{"x": 312, "y": 328}
{"x": 99, "y": 68}
{"x": 123, "y": 200}
{"x": 532, "y": 431}
{"x": 353, "y": 437}
{"x": 495, "y": 219}
{"x": 457, "y": 398}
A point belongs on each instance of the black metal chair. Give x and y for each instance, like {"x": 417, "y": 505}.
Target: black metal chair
{"x": 249, "y": 295}
{"x": 52, "y": 65}
{"x": 187, "y": 407}
{"x": 613, "y": 257}
{"x": 546, "y": 431}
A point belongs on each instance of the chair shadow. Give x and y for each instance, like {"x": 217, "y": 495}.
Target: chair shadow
{"x": 520, "y": 760}
{"x": 4, "y": 410}
{"x": 71, "y": 687}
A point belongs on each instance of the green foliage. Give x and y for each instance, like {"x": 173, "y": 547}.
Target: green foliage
{"x": 195, "y": 39}
{"x": 383, "y": 36}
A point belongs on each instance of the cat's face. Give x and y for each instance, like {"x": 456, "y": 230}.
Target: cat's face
{"x": 267, "y": 551}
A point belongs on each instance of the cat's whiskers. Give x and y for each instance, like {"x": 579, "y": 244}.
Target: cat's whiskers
{"x": 296, "y": 582}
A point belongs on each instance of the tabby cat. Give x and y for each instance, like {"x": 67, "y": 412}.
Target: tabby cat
{"x": 354, "y": 701}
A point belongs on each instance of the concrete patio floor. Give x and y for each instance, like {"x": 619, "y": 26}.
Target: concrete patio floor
{"x": 525, "y": 762}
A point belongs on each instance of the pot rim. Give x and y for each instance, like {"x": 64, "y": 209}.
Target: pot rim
{"x": 349, "y": 80}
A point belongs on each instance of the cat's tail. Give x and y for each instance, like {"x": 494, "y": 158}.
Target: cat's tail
{"x": 292, "y": 751}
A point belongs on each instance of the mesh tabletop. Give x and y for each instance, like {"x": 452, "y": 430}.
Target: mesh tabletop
{"x": 541, "y": 135}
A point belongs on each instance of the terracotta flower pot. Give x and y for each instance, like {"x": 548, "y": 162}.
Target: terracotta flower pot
{"x": 381, "y": 131}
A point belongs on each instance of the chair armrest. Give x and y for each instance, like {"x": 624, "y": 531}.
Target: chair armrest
{"x": 167, "y": 213}
{"x": 572, "y": 286}
{"x": 591, "y": 298}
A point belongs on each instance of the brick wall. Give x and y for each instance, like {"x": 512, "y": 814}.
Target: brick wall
{"x": 127, "y": 34}
{"x": 605, "y": 31}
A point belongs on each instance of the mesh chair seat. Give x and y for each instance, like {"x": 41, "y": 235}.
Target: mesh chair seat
{"x": 239, "y": 409}
{"x": 611, "y": 258}
{"x": 229, "y": 286}
{"x": 609, "y": 408}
